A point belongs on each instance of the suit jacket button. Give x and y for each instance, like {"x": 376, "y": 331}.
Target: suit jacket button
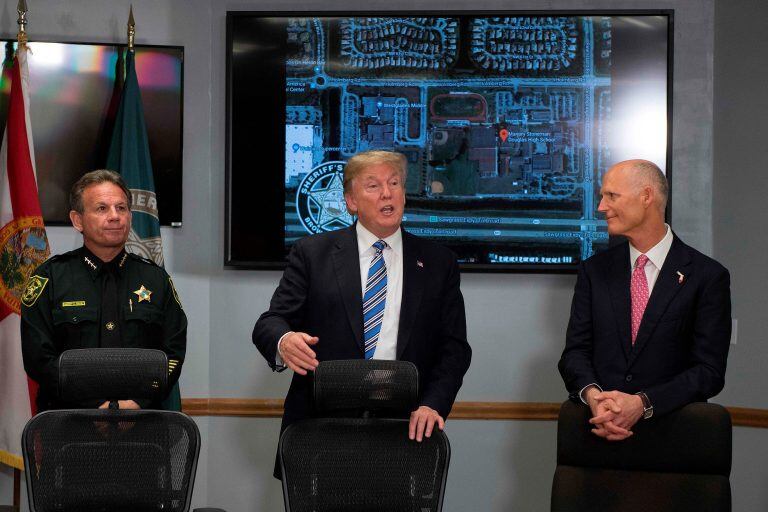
{"x": 628, "y": 378}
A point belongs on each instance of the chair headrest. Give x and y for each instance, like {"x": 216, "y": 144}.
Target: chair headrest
{"x": 112, "y": 374}
{"x": 369, "y": 385}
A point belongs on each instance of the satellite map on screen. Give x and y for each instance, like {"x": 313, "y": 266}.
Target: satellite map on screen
{"x": 501, "y": 120}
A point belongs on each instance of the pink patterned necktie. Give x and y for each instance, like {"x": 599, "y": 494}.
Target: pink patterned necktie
{"x": 638, "y": 289}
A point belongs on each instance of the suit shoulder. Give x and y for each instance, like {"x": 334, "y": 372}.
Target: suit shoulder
{"x": 601, "y": 258}
{"x": 321, "y": 240}
{"x": 430, "y": 247}
{"x": 707, "y": 263}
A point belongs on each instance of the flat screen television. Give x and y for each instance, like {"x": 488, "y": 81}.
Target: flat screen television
{"x": 73, "y": 101}
{"x": 508, "y": 121}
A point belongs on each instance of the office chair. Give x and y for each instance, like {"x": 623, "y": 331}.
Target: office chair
{"x": 89, "y": 460}
{"x": 358, "y": 457}
{"x": 679, "y": 462}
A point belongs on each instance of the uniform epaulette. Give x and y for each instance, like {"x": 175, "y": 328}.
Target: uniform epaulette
{"x": 52, "y": 259}
{"x": 142, "y": 259}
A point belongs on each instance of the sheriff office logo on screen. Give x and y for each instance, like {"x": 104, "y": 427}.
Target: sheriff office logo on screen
{"x": 320, "y": 201}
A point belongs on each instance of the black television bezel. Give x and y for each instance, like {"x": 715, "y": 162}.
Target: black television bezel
{"x": 231, "y": 263}
{"x": 172, "y": 223}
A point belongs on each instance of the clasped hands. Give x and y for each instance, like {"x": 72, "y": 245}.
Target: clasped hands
{"x": 296, "y": 352}
{"x": 613, "y": 413}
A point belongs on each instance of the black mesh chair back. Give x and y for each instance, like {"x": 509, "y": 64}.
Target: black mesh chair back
{"x": 679, "y": 462}
{"x": 363, "y": 463}
{"x": 112, "y": 374}
{"x": 110, "y": 460}
{"x": 106, "y": 460}
{"x": 353, "y": 386}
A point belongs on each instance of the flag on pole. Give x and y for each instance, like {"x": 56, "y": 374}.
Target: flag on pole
{"x": 129, "y": 155}
{"x": 23, "y": 246}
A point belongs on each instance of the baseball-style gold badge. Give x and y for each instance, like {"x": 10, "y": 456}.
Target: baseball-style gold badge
{"x": 34, "y": 289}
{"x": 143, "y": 294}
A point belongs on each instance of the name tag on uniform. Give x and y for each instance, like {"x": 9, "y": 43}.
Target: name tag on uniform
{"x": 73, "y": 303}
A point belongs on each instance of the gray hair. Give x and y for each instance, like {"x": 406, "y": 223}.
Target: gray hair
{"x": 95, "y": 178}
{"x": 645, "y": 173}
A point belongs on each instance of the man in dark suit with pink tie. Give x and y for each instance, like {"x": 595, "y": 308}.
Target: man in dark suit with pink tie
{"x": 650, "y": 321}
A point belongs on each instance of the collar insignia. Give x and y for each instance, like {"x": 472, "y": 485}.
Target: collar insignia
{"x": 122, "y": 260}
{"x": 143, "y": 294}
{"x": 90, "y": 263}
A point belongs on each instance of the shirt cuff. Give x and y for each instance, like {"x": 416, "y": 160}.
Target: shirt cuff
{"x": 581, "y": 393}
{"x": 279, "y": 360}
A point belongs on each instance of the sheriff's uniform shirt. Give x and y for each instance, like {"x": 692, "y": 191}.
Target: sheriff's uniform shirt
{"x": 64, "y": 306}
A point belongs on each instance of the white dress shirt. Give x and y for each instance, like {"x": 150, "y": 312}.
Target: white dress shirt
{"x": 656, "y": 256}
{"x": 386, "y": 346}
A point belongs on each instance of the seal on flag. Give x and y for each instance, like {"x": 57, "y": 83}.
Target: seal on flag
{"x": 23, "y": 247}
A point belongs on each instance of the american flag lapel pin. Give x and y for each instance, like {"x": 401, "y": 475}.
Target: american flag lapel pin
{"x": 680, "y": 277}
{"x": 419, "y": 264}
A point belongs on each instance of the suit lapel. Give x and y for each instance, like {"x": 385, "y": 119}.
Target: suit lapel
{"x": 619, "y": 278}
{"x": 664, "y": 290}
{"x": 346, "y": 263}
{"x": 413, "y": 288}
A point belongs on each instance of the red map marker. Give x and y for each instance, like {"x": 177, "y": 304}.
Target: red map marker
{"x": 503, "y": 134}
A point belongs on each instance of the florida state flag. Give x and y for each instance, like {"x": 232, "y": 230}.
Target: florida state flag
{"x": 23, "y": 246}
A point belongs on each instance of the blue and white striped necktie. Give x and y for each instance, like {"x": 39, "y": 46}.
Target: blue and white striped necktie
{"x": 374, "y": 299}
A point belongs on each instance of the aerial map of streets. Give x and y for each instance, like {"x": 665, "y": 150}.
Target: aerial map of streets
{"x": 501, "y": 120}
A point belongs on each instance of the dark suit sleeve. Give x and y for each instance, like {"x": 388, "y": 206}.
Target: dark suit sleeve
{"x": 705, "y": 376}
{"x": 455, "y": 354}
{"x": 286, "y": 307}
{"x": 576, "y": 361}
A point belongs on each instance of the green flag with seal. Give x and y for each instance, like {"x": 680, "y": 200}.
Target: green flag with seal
{"x": 129, "y": 155}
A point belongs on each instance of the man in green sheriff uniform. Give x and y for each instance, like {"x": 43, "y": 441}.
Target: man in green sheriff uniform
{"x": 99, "y": 295}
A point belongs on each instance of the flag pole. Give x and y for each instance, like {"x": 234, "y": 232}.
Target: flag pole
{"x": 21, "y": 8}
{"x": 131, "y": 30}
{"x": 21, "y": 37}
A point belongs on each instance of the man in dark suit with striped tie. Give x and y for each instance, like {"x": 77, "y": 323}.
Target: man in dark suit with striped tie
{"x": 651, "y": 317}
{"x": 370, "y": 291}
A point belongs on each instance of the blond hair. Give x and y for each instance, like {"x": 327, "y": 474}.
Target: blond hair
{"x": 361, "y": 161}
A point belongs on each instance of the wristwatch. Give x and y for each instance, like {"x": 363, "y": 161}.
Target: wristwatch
{"x": 647, "y": 406}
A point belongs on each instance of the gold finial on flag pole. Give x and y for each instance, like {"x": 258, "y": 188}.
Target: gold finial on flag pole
{"x": 21, "y": 8}
{"x": 131, "y": 29}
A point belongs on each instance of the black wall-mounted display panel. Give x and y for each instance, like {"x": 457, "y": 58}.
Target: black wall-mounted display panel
{"x": 508, "y": 121}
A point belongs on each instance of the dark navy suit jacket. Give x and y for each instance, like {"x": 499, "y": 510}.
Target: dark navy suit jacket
{"x": 320, "y": 294}
{"x": 682, "y": 344}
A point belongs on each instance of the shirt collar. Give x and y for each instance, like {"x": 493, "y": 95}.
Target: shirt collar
{"x": 94, "y": 264}
{"x": 365, "y": 239}
{"x": 656, "y": 254}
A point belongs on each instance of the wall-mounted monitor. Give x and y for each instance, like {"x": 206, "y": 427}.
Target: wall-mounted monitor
{"x": 508, "y": 121}
{"x": 73, "y": 101}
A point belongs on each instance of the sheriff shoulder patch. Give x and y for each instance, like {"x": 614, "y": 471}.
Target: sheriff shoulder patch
{"x": 34, "y": 289}
{"x": 175, "y": 295}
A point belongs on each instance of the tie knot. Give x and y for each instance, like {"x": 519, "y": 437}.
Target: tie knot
{"x": 642, "y": 261}
{"x": 379, "y": 245}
